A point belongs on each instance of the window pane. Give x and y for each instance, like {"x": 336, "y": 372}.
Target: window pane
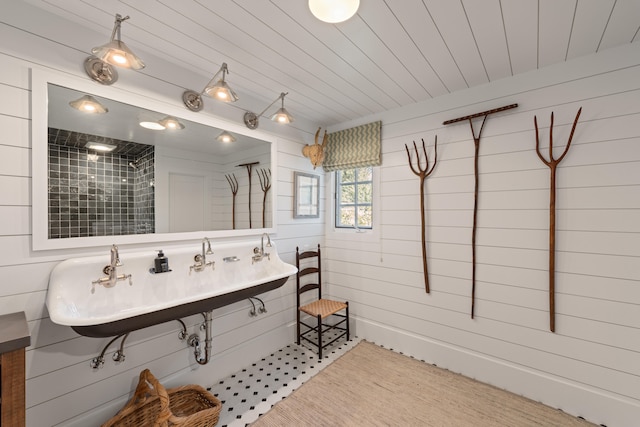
{"x": 348, "y": 175}
{"x": 347, "y": 216}
{"x": 354, "y": 198}
{"x": 365, "y": 174}
{"x": 348, "y": 193}
{"x": 365, "y": 216}
{"x": 364, "y": 193}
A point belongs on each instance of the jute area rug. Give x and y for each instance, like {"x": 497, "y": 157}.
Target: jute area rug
{"x": 372, "y": 386}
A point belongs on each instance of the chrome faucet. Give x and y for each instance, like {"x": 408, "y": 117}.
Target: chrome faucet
{"x": 259, "y": 252}
{"x": 201, "y": 259}
{"x": 111, "y": 271}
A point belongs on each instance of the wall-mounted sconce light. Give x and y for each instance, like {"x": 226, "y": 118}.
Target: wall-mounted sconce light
{"x": 225, "y": 137}
{"x": 116, "y": 52}
{"x": 88, "y": 104}
{"x": 171, "y": 123}
{"x": 219, "y": 90}
{"x": 333, "y": 11}
{"x": 281, "y": 116}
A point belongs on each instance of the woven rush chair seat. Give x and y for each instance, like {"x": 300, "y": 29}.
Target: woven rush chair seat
{"x": 320, "y": 308}
{"x": 323, "y": 308}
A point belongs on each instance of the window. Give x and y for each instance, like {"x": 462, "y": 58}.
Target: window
{"x": 354, "y": 198}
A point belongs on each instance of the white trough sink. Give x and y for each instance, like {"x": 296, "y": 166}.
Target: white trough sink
{"x": 98, "y": 311}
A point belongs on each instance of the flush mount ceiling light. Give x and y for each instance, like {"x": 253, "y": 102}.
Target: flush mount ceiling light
{"x": 333, "y": 11}
{"x": 225, "y": 137}
{"x": 219, "y": 90}
{"x": 116, "y": 52}
{"x": 171, "y": 123}
{"x": 281, "y": 116}
{"x": 152, "y": 125}
{"x": 99, "y": 146}
{"x": 88, "y": 104}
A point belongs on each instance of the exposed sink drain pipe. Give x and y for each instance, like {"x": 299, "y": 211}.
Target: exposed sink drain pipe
{"x": 194, "y": 340}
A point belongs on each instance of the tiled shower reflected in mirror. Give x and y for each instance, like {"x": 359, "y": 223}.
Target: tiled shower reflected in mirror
{"x": 99, "y": 193}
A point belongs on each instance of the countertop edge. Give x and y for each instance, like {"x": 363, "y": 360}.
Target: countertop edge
{"x": 14, "y": 332}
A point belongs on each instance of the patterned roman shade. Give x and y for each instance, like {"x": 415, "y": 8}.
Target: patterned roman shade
{"x": 356, "y": 147}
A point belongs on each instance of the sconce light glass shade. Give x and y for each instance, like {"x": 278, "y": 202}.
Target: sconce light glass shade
{"x": 251, "y": 120}
{"x": 225, "y": 137}
{"x": 282, "y": 116}
{"x": 88, "y": 104}
{"x": 116, "y": 52}
{"x": 220, "y": 91}
{"x": 171, "y": 123}
{"x": 333, "y": 11}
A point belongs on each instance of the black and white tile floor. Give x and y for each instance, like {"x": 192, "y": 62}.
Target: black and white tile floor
{"x": 252, "y": 391}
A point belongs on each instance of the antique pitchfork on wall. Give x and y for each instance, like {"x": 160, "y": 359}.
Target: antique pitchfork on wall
{"x": 264, "y": 175}
{"x": 233, "y": 183}
{"x": 476, "y": 143}
{"x": 423, "y": 174}
{"x": 249, "y": 167}
{"x": 553, "y": 164}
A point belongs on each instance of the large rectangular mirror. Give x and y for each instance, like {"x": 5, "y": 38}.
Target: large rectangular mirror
{"x": 119, "y": 177}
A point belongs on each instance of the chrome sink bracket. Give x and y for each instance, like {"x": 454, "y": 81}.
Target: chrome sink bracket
{"x": 118, "y": 355}
{"x": 261, "y": 310}
{"x": 252, "y": 312}
{"x": 97, "y": 362}
{"x": 182, "y": 335}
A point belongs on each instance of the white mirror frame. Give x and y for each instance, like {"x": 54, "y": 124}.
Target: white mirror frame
{"x": 39, "y": 162}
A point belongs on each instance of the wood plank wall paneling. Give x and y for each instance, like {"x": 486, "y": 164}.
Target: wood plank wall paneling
{"x": 596, "y": 347}
{"x": 62, "y": 389}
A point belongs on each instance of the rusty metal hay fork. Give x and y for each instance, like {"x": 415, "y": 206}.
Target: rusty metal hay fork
{"x": 423, "y": 174}
{"x": 553, "y": 164}
{"x": 264, "y": 175}
{"x": 233, "y": 183}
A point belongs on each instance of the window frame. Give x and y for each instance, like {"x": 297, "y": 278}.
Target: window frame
{"x": 350, "y": 233}
{"x": 356, "y": 204}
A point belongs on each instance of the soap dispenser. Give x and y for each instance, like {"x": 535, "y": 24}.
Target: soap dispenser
{"x": 161, "y": 263}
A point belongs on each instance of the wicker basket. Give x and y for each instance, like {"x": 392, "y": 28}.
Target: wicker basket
{"x": 153, "y": 405}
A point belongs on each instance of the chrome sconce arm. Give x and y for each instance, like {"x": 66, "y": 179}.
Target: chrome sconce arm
{"x": 251, "y": 120}
{"x": 100, "y": 66}
{"x": 219, "y": 90}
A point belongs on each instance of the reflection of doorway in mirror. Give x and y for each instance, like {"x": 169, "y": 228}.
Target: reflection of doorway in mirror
{"x": 186, "y": 203}
{"x": 307, "y": 196}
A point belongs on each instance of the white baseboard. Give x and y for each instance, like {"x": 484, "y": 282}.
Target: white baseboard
{"x": 593, "y": 405}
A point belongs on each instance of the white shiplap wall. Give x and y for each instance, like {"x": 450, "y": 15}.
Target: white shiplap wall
{"x": 61, "y": 387}
{"x": 591, "y": 365}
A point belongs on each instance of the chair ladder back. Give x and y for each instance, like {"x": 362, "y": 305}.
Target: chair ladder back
{"x": 306, "y": 271}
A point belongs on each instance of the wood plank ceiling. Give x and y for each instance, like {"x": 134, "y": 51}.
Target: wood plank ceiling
{"x": 391, "y": 53}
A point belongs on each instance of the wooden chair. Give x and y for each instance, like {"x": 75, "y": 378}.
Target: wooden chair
{"x": 320, "y": 309}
